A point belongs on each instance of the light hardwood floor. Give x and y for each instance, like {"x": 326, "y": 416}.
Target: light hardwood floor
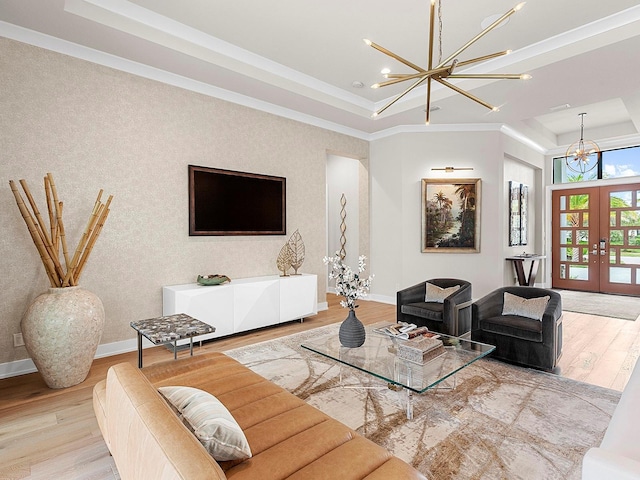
{"x": 53, "y": 434}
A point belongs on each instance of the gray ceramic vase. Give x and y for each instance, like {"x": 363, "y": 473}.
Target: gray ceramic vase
{"x": 352, "y": 334}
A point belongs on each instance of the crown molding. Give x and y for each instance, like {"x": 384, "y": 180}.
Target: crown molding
{"x": 81, "y": 52}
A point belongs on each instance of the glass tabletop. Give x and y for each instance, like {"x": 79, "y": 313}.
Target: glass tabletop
{"x": 379, "y": 357}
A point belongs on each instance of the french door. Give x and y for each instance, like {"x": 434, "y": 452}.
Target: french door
{"x": 596, "y": 239}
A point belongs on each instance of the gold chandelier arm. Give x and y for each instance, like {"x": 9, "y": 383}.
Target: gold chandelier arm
{"x": 428, "y": 107}
{"x": 466, "y": 94}
{"x": 483, "y": 58}
{"x": 482, "y": 34}
{"x": 401, "y": 77}
{"x": 491, "y": 76}
{"x": 393, "y": 55}
{"x": 420, "y": 80}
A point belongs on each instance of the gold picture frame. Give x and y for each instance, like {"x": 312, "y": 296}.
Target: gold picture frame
{"x": 450, "y": 215}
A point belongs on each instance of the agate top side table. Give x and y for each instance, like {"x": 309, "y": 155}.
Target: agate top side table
{"x": 169, "y": 329}
{"x": 518, "y": 263}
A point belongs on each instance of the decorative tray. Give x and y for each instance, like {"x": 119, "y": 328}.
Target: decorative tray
{"x": 216, "y": 279}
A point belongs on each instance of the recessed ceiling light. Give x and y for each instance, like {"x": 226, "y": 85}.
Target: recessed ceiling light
{"x": 492, "y": 18}
{"x": 357, "y": 84}
{"x": 385, "y": 70}
{"x": 564, "y": 106}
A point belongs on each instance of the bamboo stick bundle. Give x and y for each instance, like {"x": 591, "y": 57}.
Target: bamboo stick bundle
{"x": 37, "y": 239}
{"x": 69, "y": 279}
{"x": 58, "y": 204}
{"x": 40, "y": 227}
{"x": 48, "y": 241}
{"x": 53, "y": 224}
{"x": 92, "y": 240}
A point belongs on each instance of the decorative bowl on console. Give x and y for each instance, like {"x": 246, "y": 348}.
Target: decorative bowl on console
{"x": 216, "y": 279}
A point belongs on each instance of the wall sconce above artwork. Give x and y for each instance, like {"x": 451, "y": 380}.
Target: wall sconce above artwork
{"x": 452, "y": 169}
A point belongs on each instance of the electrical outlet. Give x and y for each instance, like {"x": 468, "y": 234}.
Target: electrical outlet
{"x": 18, "y": 341}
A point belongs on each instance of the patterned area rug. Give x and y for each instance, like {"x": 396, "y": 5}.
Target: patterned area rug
{"x": 602, "y": 304}
{"x": 500, "y": 421}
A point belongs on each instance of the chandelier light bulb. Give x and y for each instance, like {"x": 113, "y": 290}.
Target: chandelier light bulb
{"x": 519, "y": 6}
{"x": 367, "y": 41}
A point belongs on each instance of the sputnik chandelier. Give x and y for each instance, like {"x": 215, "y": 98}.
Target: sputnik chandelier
{"x": 444, "y": 69}
{"x": 579, "y": 153}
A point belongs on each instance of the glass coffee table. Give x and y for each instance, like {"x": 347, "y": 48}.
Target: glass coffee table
{"x": 378, "y": 357}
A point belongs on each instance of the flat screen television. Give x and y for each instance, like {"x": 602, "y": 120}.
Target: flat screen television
{"x": 224, "y": 202}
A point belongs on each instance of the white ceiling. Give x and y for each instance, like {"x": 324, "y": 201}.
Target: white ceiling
{"x": 300, "y": 58}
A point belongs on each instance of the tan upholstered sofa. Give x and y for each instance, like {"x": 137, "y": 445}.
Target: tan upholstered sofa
{"x": 288, "y": 437}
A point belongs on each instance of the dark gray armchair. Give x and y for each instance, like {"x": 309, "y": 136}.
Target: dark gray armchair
{"x": 518, "y": 339}
{"x": 452, "y": 317}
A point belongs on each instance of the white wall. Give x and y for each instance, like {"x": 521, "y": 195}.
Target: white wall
{"x": 93, "y": 127}
{"x": 397, "y": 165}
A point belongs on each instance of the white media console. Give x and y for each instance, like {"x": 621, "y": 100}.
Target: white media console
{"x": 244, "y": 304}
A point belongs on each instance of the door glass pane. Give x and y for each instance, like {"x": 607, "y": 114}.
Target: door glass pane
{"x": 638, "y": 198}
{"x": 583, "y": 236}
{"x": 630, "y": 256}
{"x": 563, "y": 271}
{"x": 566, "y": 237}
{"x": 563, "y": 202}
{"x": 630, "y": 218}
{"x": 634, "y": 237}
{"x": 613, "y": 258}
{"x": 569, "y": 219}
{"x": 620, "y": 275}
{"x": 585, "y": 219}
{"x": 620, "y": 199}
{"x": 585, "y": 255}
{"x": 616, "y": 237}
{"x": 613, "y": 219}
{"x": 579, "y": 272}
{"x": 579, "y": 202}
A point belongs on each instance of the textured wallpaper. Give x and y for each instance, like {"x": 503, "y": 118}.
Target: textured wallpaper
{"x": 93, "y": 127}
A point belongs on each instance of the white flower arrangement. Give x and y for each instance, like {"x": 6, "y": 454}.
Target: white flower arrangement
{"x": 349, "y": 284}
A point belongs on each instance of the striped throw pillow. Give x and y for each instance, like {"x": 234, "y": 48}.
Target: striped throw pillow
{"x": 210, "y": 421}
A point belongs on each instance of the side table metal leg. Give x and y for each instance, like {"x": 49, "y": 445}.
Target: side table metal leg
{"x": 175, "y": 349}
{"x": 191, "y": 345}
{"x": 139, "y": 350}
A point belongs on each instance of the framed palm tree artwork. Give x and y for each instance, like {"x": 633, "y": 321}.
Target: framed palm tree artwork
{"x": 451, "y": 215}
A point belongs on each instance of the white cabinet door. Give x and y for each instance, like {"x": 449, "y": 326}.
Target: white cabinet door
{"x": 256, "y": 304}
{"x": 211, "y": 304}
{"x": 298, "y": 297}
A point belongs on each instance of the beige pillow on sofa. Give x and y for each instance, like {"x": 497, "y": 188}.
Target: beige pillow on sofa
{"x": 437, "y": 294}
{"x": 530, "y": 308}
{"x": 210, "y": 421}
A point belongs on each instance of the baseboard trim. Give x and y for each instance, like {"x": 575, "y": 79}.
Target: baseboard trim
{"x": 25, "y": 366}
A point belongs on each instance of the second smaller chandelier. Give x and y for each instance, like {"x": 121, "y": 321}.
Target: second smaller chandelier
{"x": 579, "y": 153}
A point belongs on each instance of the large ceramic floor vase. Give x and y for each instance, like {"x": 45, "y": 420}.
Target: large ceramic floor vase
{"x": 62, "y": 330}
{"x": 351, "y": 333}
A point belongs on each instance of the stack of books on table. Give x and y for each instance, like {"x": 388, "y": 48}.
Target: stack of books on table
{"x": 404, "y": 331}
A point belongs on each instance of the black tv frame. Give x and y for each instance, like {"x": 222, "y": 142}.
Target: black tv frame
{"x": 235, "y": 175}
